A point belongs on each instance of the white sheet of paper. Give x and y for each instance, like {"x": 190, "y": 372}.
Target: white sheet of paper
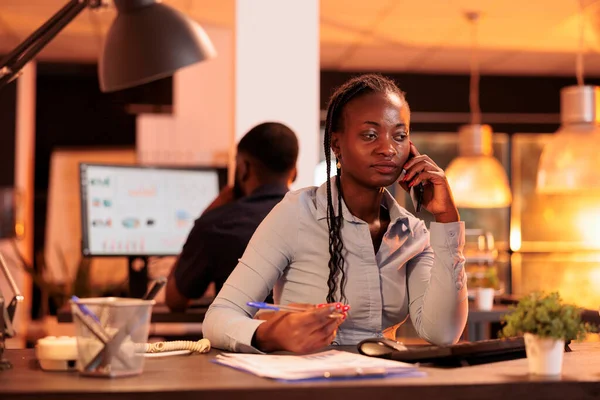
{"x": 332, "y": 363}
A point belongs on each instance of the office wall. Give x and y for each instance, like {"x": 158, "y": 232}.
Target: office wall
{"x": 277, "y": 72}
{"x": 199, "y": 131}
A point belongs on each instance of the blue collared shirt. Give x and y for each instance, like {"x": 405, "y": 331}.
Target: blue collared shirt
{"x": 415, "y": 272}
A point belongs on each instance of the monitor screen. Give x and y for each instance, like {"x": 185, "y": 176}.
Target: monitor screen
{"x": 142, "y": 211}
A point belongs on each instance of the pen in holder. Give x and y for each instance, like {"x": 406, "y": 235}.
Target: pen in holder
{"x": 113, "y": 345}
{"x": 158, "y": 284}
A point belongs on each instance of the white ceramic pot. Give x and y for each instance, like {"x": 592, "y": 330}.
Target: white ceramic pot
{"x": 484, "y": 298}
{"x": 544, "y": 355}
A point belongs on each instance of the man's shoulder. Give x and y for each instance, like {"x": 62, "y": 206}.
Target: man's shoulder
{"x": 242, "y": 213}
{"x": 239, "y": 212}
{"x": 226, "y": 212}
{"x": 217, "y": 214}
{"x": 297, "y": 203}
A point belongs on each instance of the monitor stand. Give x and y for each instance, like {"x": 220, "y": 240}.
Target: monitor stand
{"x": 138, "y": 276}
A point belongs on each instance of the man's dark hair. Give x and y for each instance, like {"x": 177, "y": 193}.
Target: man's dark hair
{"x": 272, "y": 144}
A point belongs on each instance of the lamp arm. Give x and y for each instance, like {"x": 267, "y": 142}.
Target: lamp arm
{"x": 6, "y": 327}
{"x": 9, "y": 310}
{"x": 6, "y": 331}
{"x": 11, "y": 64}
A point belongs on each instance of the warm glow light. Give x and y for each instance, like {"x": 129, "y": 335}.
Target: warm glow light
{"x": 595, "y": 277}
{"x": 19, "y": 229}
{"x": 478, "y": 182}
{"x": 570, "y": 162}
{"x": 580, "y": 287}
{"x": 587, "y": 221}
{"x": 515, "y": 237}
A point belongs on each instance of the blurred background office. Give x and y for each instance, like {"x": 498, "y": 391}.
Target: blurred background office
{"x": 484, "y": 80}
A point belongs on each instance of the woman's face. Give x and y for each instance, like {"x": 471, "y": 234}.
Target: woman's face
{"x": 373, "y": 143}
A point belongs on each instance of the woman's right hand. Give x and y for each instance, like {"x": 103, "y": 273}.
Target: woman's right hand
{"x": 298, "y": 332}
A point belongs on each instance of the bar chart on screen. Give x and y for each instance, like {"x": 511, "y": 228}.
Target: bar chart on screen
{"x": 141, "y": 210}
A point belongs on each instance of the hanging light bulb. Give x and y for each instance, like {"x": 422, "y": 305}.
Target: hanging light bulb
{"x": 476, "y": 177}
{"x": 570, "y": 162}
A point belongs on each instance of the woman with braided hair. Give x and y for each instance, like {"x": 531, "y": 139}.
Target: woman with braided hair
{"x": 350, "y": 242}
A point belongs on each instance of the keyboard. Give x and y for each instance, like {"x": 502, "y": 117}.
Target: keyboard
{"x": 464, "y": 354}
{"x": 467, "y": 353}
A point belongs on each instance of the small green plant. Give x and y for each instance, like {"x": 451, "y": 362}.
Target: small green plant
{"x": 490, "y": 279}
{"x": 487, "y": 278}
{"x": 546, "y": 316}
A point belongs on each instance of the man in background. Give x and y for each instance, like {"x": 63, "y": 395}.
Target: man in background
{"x": 265, "y": 168}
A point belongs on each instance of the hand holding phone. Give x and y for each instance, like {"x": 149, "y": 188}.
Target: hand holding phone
{"x": 415, "y": 192}
{"x": 428, "y": 187}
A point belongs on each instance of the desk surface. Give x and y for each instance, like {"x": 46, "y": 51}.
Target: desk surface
{"x": 195, "y": 377}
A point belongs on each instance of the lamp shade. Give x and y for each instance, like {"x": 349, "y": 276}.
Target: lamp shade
{"x": 478, "y": 182}
{"x": 570, "y": 162}
{"x": 148, "y": 41}
{"x": 476, "y": 178}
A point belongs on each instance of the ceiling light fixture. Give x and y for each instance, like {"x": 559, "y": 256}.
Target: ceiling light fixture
{"x": 570, "y": 162}
{"x": 476, "y": 177}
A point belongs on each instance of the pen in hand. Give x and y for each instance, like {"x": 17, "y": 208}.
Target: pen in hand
{"x": 338, "y": 313}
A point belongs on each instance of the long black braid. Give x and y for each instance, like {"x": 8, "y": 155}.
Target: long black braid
{"x": 355, "y": 87}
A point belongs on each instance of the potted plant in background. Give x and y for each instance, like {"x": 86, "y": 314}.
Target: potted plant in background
{"x": 485, "y": 284}
{"x": 546, "y": 322}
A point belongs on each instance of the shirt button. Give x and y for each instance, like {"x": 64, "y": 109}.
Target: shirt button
{"x": 452, "y": 233}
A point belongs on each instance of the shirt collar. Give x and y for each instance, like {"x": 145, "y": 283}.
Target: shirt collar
{"x": 268, "y": 190}
{"x": 397, "y": 213}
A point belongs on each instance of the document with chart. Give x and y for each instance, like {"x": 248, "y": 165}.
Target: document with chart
{"x": 325, "y": 365}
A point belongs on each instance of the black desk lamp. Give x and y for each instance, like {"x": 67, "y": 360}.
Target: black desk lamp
{"x": 7, "y": 231}
{"x": 147, "y": 41}
{"x": 7, "y": 314}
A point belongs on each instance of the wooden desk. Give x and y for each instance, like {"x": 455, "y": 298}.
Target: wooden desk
{"x": 195, "y": 377}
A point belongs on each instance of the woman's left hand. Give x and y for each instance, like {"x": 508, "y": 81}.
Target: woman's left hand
{"x": 437, "y": 195}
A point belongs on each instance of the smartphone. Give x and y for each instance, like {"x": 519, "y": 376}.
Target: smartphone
{"x": 416, "y": 192}
{"x": 416, "y": 195}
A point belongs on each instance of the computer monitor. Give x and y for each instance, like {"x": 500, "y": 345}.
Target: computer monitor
{"x": 140, "y": 211}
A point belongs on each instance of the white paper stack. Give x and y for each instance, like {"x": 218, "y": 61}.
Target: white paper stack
{"x": 328, "y": 364}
